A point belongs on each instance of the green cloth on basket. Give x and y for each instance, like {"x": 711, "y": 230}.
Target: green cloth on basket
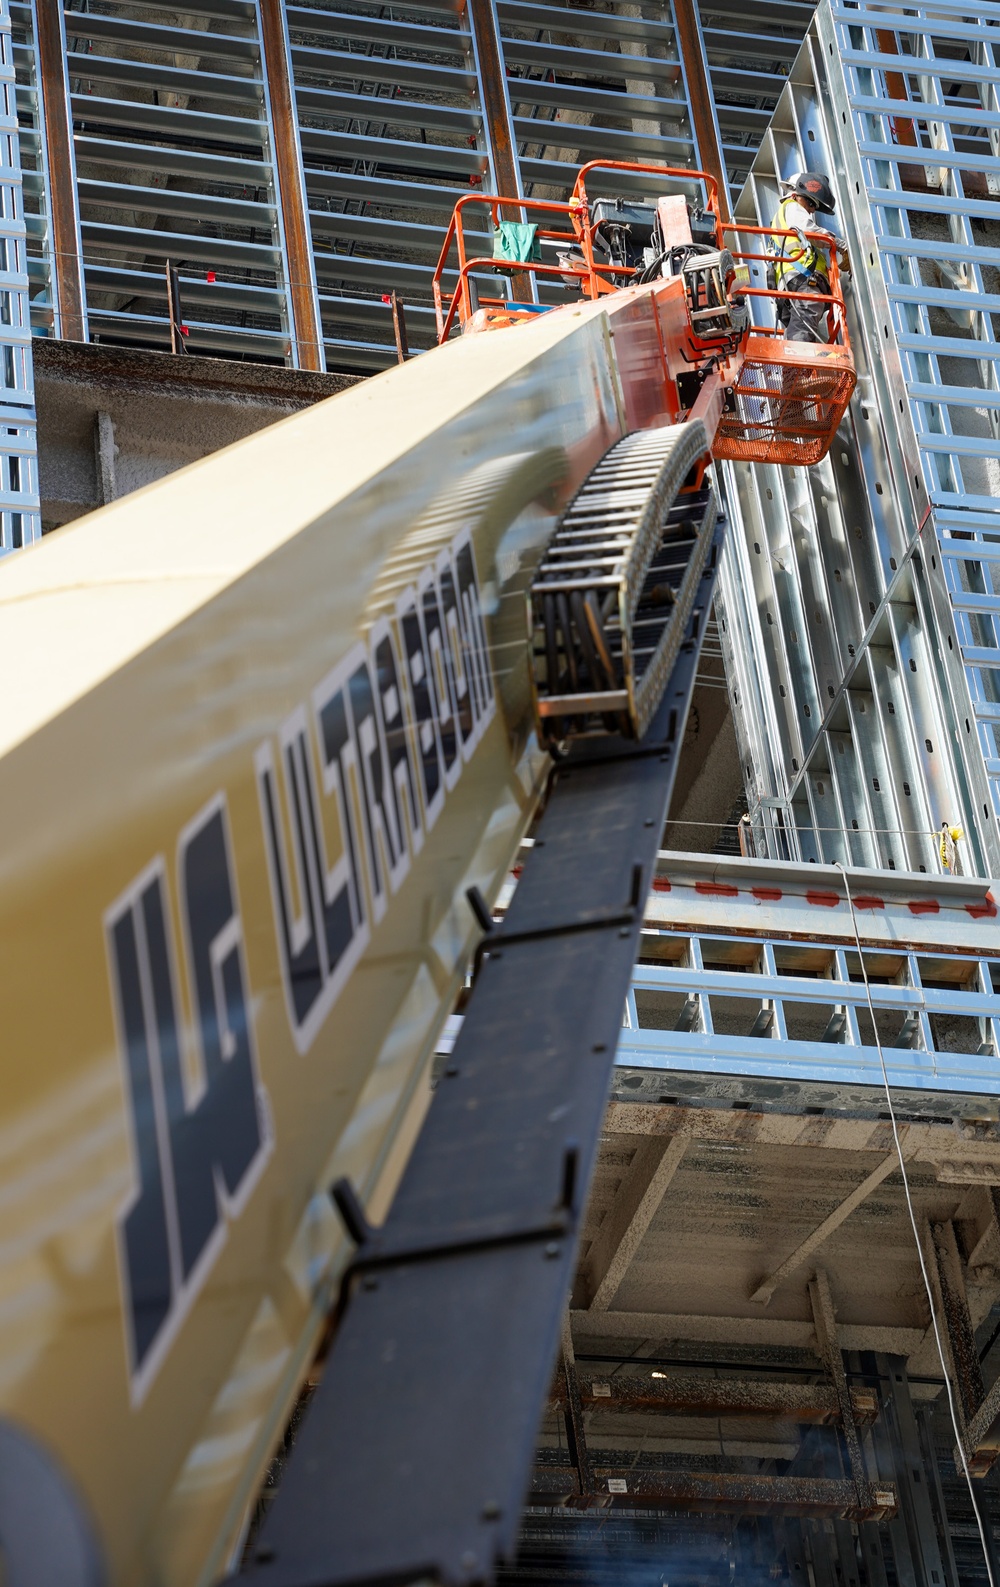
{"x": 517, "y": 242}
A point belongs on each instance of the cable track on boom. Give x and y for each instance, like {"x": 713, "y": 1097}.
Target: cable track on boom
{"x": 611, "y": 598}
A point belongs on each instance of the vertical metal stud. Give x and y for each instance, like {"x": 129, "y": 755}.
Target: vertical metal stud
{"x": 700, "y": 98}
{"x": 64, "y": 215}
{"x": 498, "y": 120}
{"x": 300, "y": 275}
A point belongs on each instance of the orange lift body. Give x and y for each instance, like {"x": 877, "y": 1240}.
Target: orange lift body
{"x": 685, "y": 342}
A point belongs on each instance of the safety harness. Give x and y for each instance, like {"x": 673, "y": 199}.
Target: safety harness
{"x": 791, "y": 258}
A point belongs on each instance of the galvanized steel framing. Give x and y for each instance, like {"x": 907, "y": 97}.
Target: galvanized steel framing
{"x": 752, "y": 968}
{"x": 298, "y": 162}
{"x": 859, "y": 601}
{"x": 20, "y": 522}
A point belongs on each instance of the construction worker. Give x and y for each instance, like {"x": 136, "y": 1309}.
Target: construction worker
{"x": 801, "y": 265}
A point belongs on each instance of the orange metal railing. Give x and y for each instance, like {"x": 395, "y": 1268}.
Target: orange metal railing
{"x": 787, "y": 398}
{"x": 837, "y": 331}
{"x": 595, "y": 277}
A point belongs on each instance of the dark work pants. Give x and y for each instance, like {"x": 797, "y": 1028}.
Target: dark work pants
{"x": 803, "y": 322}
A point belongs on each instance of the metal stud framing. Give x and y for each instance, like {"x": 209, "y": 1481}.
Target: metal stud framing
{"x": 859, "y": 600}
{"x": 750, "y": 49}
{"x": 764, "y": 978}
{"x": 20, "y": 522}
{"x": 174, "y": 155}
{"x": 391, "y": 135}
{"x": 294, "y": 205}
{"x": 830, "y": 1037}
{"x": 614, "y": 77}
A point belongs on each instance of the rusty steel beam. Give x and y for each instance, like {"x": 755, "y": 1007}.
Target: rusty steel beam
{"x": 766, "y": 1287}
{"x": 982, "y": 1435}
{"x": 498, "y": 122}
{"x": 734, "y": 1493}
{"x": 825, "y": 1323}
{"x": 913, "y": 176}
{"x": 305, "y": 324}
{"x": 700, "y": 98}
{"x": 69, "y": 298}
{"x": 399, "y": 328}
{"x": 572, "y": 1406}
{"x": 701, "y": 1396}
{"x": 960, "y": 1336}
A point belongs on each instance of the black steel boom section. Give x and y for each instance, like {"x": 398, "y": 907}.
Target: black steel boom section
{"x": 416, "y": 1453}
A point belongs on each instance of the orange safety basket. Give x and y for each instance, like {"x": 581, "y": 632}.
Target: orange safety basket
{"x": 787, "y": 402}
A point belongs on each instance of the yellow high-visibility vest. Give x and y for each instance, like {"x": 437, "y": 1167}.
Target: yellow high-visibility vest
{"x": 790, "y": 256}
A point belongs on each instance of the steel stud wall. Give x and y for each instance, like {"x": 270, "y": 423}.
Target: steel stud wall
{"x": 171, "y": 116}
{"x": 177, "y": 152}
{"x": 174, "y": 161}
{"x": 750, "y": 49}
{"x": 20, "y": 522}
{"x": 382, "y": 177}
{"x": 859, "y": 600}
{"x": 391, "y": 135}
{"x": 764, "y": 979}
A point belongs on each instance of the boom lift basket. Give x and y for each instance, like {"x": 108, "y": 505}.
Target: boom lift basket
{"x": 784, "y": 400}
{"x": 786, "y": 403}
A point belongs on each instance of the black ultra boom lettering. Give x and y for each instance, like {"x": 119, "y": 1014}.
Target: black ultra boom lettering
{"x": 393, "y": 724}
{"x": 185, "y": 1154}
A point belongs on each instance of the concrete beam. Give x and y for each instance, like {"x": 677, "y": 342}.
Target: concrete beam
{"x": 956, "y": 1158}
{"x": 112, "y": 419}
{"x": 635, "y": 1205}
{"x": 767, "y": 1286}
{"x": 625, "y": 1325}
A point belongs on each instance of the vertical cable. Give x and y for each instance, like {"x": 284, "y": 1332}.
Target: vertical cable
{"x": 959, "y": 1441}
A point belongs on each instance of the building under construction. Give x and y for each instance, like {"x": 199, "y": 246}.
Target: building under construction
{"x": 501, "y": 976}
